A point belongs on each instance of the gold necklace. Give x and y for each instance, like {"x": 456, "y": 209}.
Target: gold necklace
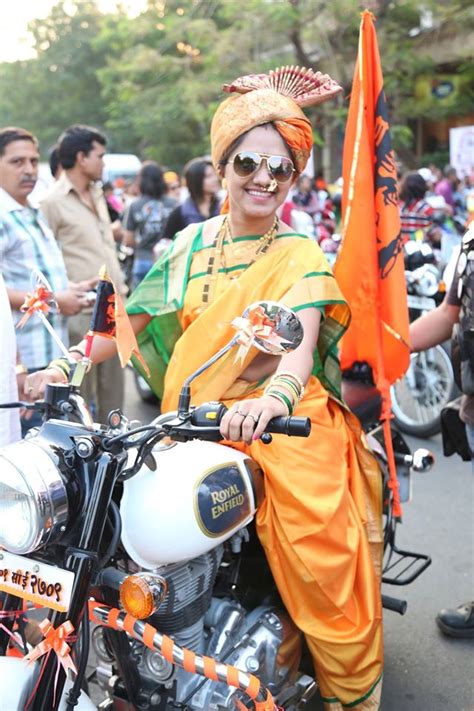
{"x": 217, "y": 256}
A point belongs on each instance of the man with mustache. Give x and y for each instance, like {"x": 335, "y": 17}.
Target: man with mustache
{"x": 76, "y": 210}
{"x": 26, "y": 245}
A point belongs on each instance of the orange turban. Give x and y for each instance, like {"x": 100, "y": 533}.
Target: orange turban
{"x": 242, "y": 112}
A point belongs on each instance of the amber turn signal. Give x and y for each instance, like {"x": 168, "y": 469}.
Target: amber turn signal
{"x": 141, "y": 594}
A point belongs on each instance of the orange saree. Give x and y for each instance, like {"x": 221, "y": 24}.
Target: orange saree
{"x": 320, "y": 522}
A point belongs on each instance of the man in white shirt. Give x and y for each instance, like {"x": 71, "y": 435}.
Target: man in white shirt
{"x": 26, "y": 245}
{"x": 9, "y": 419}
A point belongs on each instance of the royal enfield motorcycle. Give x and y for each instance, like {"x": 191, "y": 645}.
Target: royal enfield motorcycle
{"x": 140, "y": 541}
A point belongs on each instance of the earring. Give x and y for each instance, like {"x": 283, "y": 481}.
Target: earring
{"x": 224, "y": 184}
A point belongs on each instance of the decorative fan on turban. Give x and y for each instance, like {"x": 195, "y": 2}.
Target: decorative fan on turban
{"x": 304, "y": 86}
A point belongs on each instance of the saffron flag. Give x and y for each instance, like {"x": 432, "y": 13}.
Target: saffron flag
{"x": 109, "y": 319}
{"x": 370, "y": 268}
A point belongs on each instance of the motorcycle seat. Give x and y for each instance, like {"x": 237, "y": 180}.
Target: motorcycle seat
{"x": 364, "y": 400}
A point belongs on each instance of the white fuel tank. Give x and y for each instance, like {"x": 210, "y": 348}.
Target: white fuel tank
{"x": 200, "y": 494}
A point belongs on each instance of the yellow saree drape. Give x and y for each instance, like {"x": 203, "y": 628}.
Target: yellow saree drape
{"x": 320, "y": 521}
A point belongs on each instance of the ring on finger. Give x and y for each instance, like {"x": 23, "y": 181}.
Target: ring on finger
{"x": 30, "y": 389}
{"x": 255, "y": 419}
{"x": 242, "y": 414}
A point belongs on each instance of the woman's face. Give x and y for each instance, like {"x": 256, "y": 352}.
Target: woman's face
{"x": 211, "y": 183}
{"x": 304, "y": 184}
{"x": 257, "y": 195}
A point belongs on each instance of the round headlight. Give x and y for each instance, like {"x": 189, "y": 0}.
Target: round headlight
{"x": 33, "y": 498}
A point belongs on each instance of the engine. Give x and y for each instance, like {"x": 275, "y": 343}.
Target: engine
{"x": 217, "y": 627}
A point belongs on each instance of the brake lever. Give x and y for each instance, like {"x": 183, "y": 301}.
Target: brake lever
{"x": 38, "y": 405}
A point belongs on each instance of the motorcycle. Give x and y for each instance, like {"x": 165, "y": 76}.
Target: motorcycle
{"x": 89, "y": 516}
{"x": 428, "y": 385}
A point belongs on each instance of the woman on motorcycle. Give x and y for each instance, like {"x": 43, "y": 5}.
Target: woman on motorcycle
{"x": 320, "y": 522}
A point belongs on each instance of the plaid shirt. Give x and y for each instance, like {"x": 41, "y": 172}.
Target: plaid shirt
{"x": 26, "y": 244}
{"x": 415, "y": 216}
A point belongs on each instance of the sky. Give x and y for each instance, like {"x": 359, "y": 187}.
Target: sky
{"x": 14, "y": 40}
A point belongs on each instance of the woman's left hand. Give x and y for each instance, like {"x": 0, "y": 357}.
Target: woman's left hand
{"x": 246, "y": 420}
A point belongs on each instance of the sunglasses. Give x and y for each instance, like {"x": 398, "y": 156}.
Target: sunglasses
{"x": 246, "y": 163}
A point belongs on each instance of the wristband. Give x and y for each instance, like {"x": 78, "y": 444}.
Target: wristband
{"x": 77, "y": 349}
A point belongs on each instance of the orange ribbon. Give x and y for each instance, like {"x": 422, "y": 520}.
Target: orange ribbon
{"x": 256, "y": 325}
{"x": 39, "y": 301}
{"x": 54, "y": 641}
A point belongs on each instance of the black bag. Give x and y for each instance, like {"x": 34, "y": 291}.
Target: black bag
{"x": 453, "y": 431}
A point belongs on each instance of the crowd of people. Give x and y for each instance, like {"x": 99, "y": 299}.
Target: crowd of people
{"x": 321, "y": 533}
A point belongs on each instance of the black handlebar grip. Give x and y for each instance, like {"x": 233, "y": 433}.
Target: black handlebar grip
{"x": 292, "y": 426}
{"x": 394, "y": 604}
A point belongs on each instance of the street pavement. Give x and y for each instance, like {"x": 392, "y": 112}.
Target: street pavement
{"x": 424, "y": 670}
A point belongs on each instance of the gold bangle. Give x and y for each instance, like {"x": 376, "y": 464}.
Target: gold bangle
{"x": 292, "y": 376}
{"x": 288, "y": 384}
{"x": 61, "y": 364}
{"x": 54, "y": 366}
{"x": 21, "y": 369}
{"x": 283, "y": 388}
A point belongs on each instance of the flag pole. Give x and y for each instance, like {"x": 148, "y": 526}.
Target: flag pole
{"x": 54, "y": 335}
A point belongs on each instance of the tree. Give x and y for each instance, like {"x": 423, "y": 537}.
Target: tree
{"x": 154, "y": 81}
{"x": 60, "y": 86}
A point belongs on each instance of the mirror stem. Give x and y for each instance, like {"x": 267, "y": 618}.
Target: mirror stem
{"x": 185, "y": 394}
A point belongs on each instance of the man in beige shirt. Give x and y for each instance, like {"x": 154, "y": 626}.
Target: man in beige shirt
{"x": 76, "y": 211}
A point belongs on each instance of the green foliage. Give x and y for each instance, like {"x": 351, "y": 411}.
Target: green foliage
{"x": 153, "y": 81}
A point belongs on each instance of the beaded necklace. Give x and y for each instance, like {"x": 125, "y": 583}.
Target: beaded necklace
{"x": 217, "y": 256}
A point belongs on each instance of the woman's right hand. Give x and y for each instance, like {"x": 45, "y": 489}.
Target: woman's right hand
{"x": 35, "y": 383}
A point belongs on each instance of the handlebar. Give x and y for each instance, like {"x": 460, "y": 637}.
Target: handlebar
{"x": 291, "y": 426}
{"x": 202, "y": 422}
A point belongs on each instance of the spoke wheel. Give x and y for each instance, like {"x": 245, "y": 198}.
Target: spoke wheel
{"x": 419, "y": 397}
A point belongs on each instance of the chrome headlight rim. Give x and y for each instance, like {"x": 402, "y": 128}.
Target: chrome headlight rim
{"x": 46, "y": 491}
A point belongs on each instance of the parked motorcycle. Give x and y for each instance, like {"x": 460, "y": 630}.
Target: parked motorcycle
{"x": 155, "y": 523}
{"x": 428, "y": 385}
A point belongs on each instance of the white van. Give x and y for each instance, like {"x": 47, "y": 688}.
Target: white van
{"x": 120, "y": 165}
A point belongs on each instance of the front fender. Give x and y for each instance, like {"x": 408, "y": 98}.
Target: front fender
{"x": 17, "y": 680}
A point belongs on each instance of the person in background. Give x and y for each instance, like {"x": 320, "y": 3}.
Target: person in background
{"x": 130, "y": 191}
{"x": 76, "y": 211}
{"x": 435, "y": 327}
{"x": 430, "y": 180}
{"x": 9, "y": 419}
{"x": 305, "y": 197}
{"x": 115, "y": 210}
{"x": 203, "y": 185}
{"x": 54, "y": 164}
{"x": 173, "y": 183}
{"x": 28, "y": 245}
{"x": 447, "y": 186}
{"x": 320, "y": 183}
{"x": 416, "y": 215}
{"x": 146, "y": 218}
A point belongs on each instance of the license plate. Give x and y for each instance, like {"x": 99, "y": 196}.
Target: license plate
{"x": 423, "y": 303}
{"x": 45, "y": 585}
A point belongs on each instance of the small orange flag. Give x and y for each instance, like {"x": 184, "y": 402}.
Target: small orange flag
{"x": 110, "y": 319}
{"x": 370, "y": 268}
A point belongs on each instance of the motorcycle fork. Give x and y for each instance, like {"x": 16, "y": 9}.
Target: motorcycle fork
{"x": 127, "y": 669}
{"x": 81, "y": 561}
{"x": 10, "y": 603}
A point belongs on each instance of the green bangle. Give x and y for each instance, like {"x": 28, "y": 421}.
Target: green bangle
{"x": 289, "y": 385}
{"x": 282, "y": 398}
{"x": 284, "y": 391}
{"x": 62, "y": 365}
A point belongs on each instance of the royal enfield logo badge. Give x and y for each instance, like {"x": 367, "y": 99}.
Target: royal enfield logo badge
{"x": 221, "y": 500}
